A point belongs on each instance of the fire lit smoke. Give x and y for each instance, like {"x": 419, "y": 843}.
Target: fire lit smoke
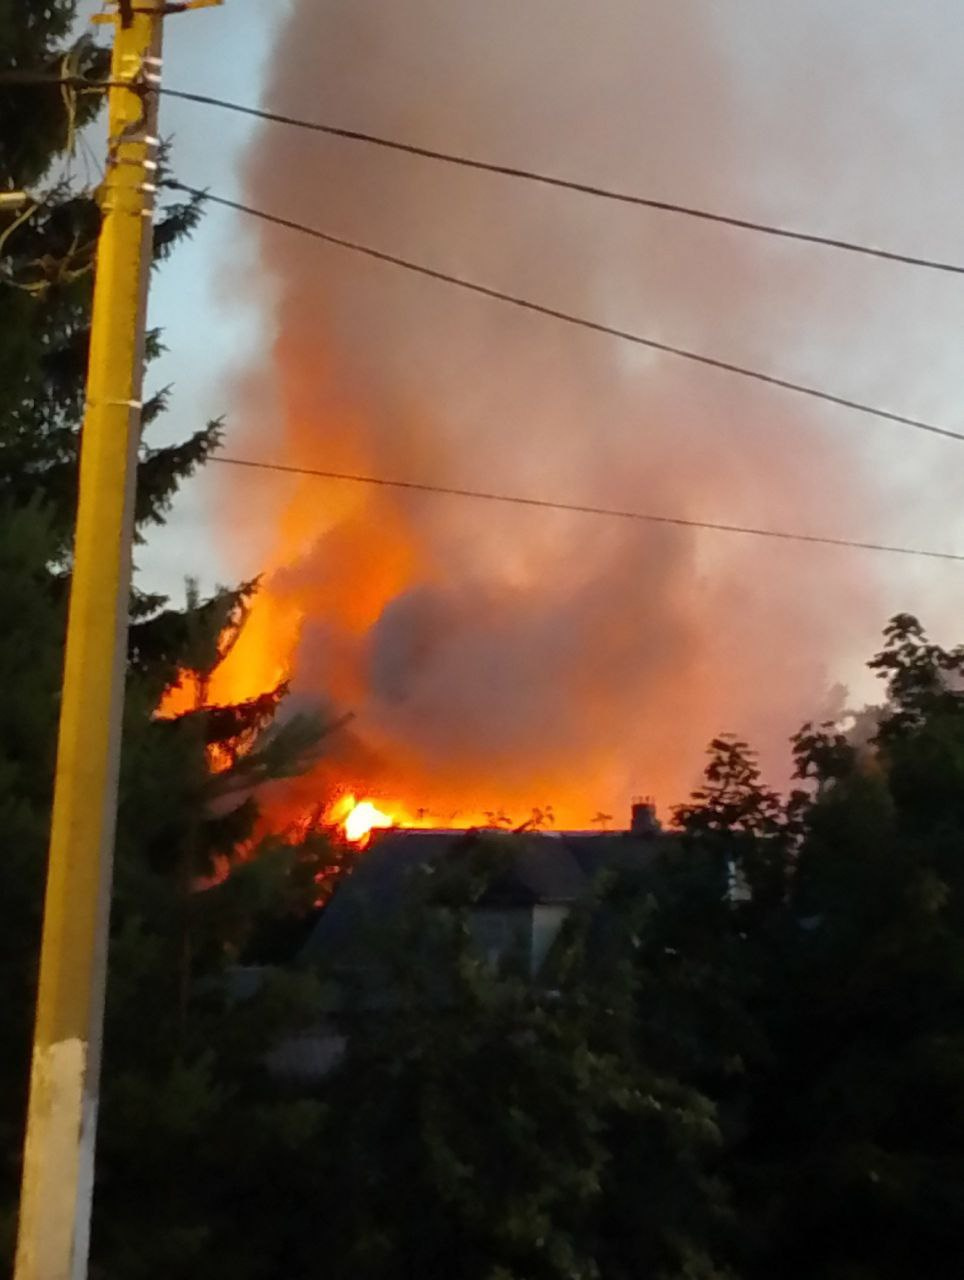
{"x": 497, "y": 658}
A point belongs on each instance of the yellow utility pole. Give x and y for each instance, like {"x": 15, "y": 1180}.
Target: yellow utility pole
{"x": 59, "y": 1150}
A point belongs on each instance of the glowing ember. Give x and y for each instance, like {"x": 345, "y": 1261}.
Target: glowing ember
{"x": 362, "y": 820}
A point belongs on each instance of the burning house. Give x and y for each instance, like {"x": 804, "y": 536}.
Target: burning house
{"x": 521, "y": 910}
{"x": 515, "y": 920}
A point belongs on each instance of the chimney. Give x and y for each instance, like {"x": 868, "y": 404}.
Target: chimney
{"x": 644, "y": 822}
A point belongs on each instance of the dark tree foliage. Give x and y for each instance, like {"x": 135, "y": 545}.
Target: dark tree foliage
{"x": 853, "y": 1160}
{"x": 482, "y": 1124}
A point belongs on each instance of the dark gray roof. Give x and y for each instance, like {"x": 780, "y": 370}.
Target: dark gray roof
{"x": 615, "y": 850}
{"x": 547, "y": 868}
{"x": 543, "y": 871}
{"x": 373, "y": 887}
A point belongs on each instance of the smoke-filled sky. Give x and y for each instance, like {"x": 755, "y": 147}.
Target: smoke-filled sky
{"x": 496, "y": 655}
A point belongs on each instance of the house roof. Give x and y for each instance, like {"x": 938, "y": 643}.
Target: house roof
{"x": 615, "y": 850}
{"x": 543, "y": 870}
{"x": 546, "y": 868}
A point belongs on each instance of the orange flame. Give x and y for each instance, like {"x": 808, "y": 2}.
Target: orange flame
{"x": 364, "y": 819}
{"x": 358, "y": 819}
{"x": 259, "y": 661}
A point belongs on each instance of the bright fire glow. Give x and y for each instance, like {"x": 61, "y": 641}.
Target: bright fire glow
{"x": 357, "y": 819}
{"x": 259, "y": 661}
{"x": 363, "y": 820}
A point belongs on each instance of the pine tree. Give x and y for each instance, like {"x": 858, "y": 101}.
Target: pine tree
{"x": 188, "y": 1107}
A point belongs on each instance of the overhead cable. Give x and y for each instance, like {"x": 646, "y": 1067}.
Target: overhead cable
{"x": 567, "y": 317}
{"x": 580, "y": 508}
{"x": 567, "y": 184}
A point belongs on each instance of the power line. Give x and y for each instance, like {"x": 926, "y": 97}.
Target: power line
{"x": 567, "y": 317}
{"x": 514, "y": 171}
{"x": 566, "y": 184}
{"x": 546, "y": 504}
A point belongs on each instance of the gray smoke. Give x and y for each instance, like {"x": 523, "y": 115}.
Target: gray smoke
{"x": 527, "y": 653}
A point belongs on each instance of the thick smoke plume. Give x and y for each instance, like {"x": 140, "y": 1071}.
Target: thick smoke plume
{"x": 496, "y": 657}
